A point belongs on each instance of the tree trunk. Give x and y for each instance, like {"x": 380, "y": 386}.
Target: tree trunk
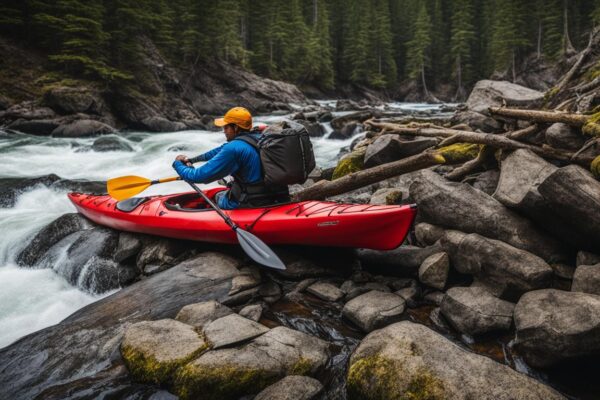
{"x": 315, "y": 12}
{"x": 567, "y": 45}
{"x": 514, "y": 67}
{"x": 539, "y": 40}
{"x": 576, "y": 120}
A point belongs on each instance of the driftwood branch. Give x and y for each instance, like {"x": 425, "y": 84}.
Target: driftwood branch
{"x": 459, "y": 173}
{"x": 551, "y": 117}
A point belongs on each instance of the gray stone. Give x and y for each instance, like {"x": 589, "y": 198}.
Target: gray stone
{"x": 435, "y": 297}
{"x": 339, "y": 122}
{"x": 70, "y": 100}
{"x": 111, "y": 143}
{"x": 563, "y": 136}
{"x": 408, "y": 360}
{"x": 201, "y": 314}
{"x": 99, "y": 275}
{"x": 325, "y": 291}
{"x": 161, "y": 124}
{"x": 158, "y": 255}
{"x": 460, "y": 206}
{"x": 404, "y": 259}
{"x": 128, "y": 246}
{"x": 506, "y": 271}
{"x": 434, "y": 270}
{"x": 487, "y": 181}
{"x": 374, "y": 309}
{"x": 247, "y": 278}
{"x": 212, "y": 265}
{"x": 388, "y": 148}
{"x": 40, "y": 127}
{"x": 233, "y": 372}
{"x": 232, "y": 329}
{"x": 438, "y": 320}
{"x": 427, "y": 234}
{"x": 388, "y": 196}
{"x": 587, "y": 279}
{"x": 474, "y": 311}
{"x": 553, "y": 326}
{"x": 153, "y": 350}
{"x": 359, "y": 289}
{"x": 252, "y": 312}
{"x": 487, "y": 93}
{"x": 587, "y": 258}
{"x": 314, "y": 129}
{"x": 563, "y": 271}
{"x": 477, "y": 121}
{"x": 410, "y": 295}
{"x": 292, "y": 387}
{"x": 83, "y": 128}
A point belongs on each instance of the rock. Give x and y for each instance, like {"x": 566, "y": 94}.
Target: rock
{"x": 28, "y": 111}
{"x": 434, "y": 270}
{"x": 11, "y": 188}
{"x": 350, "y": 163}
{"x": 427, "y": 234}
{"x": 474, "y": 311}
{"x": 153, "y": 350}
{"x": 388, "y": 196}
{"x": 388, "y": 148}
{"x": 487, "y": 181}
{"x": 247, "y": 278}
{"x": 111, "y": 143}
{"x": 563, "y": 271}
{"x": 477, "y": 121}
{"x": 346, "y": 132}
{"x": 587, "y": 258}
{"x": 339, "y": 122}
{"x": 357, "y": 290}
{"x": 410, "y": 361}
{"x": 128, "y": 246}
{"x": 88, "y": 340}
{"x": 410, "y": 295}
{"x": 487, "y": 93}
{"x": 292, "y": 387}
{"x": 573, "y": 195}
{"x": 314, "y": 129}
{"x": 553, "y": 326}
{"x": 436, "y": 317}
{"x": 404, "y": 259}
{"x": 201, "y": 314}
{"x": 374, "y": 309}
{"x": 40, "y": 127}
{"x": 232, "y": 329}
{"x": 99, "y": 275}
{"x": 301, "y": 268}
{"x": 70, "y": 100}
{"x": 459, "y": 206}
{"x": 587, "y": 279}
{"x": 159, "y": 255}
{"x": 325, "y": 291}
{"x": 347, "y": 105}
{"x": 506, "y": 271}
{"x": 161, "y": 124}
{"x": 562, "y": 136}
{"x": 252, "y": 312}
{"x": 231, "y": 373}
{"x": 83, "y": 128}
{"x": 434, "y": 297}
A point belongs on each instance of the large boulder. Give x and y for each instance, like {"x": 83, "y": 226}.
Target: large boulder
{"x": 553, "y": 326}
{"x": 40, "y": 127}
{"x": 161, "y": 124}
{"x": 111, "y": 143}
{"x": 487, "y": 93}
{"x": 563, "y": 136}
{"x": 586, "y": 279}
{"x": 410, "y": 361}
{"x": 70, "y": 100}
{"x": 153, "y": 350}
{"x": 232, "y": 329}
{"x": 573, "y": 195}
{"x": 339, "y": 122}
{"x": 506, "y": 271}
{"x": 461, "y": 207}
{"x": 474, "y": 311}
{"x": 477, "y": 121}
{"x": 374, "y": 309}
{"x": 434, "y": 270}
{"x": 11, "y": 188}
{"x": 388, "y": 148}
{"x": 233, "y": 372}
{"x": 83, "y": 128}
{"x": 200, "y": 314}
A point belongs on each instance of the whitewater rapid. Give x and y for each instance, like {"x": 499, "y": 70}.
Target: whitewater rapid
{"x": 31, "y": 299}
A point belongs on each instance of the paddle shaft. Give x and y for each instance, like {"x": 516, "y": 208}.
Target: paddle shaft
{"x": 214, "y": 206}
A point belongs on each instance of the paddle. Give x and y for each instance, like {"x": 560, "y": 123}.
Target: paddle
{"x": 125, "y": 187}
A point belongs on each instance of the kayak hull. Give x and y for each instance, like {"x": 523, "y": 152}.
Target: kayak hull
{"x": 317, "y": 223}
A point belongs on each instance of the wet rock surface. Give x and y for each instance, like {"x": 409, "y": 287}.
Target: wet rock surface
{"x": 293, "y": 387}
{"x": 374, "y": 309}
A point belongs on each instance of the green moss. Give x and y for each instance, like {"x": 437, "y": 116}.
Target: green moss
{"x": 220, "y": 383}
{"x": 302, "y": 367}
{"x": 377, "y": 378}
{"x": 459, "y": 152}
{"x": 148, "y": 369}
{"x": 592, "y": 126}
{"x": 550, "y": 93}
{"x": 595, "y": 167}
{"x": 352, "y": 163}
{"x": 394, "y": 197}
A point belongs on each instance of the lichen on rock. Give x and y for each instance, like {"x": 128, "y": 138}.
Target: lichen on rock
{"x": 459, "y": 152}
{"x": 592, "y": 126}
{"x": 353, "y": 162}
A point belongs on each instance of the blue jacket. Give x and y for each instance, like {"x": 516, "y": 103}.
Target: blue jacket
{"x": 235, "y": 157}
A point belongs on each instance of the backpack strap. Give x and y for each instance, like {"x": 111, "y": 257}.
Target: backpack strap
{"x": 248, "y": 139}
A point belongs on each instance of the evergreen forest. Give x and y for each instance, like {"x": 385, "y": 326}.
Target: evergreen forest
{"x": 320, "y": 43}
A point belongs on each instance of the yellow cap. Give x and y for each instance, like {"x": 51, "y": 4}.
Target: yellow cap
{"x": 237, "y": 115}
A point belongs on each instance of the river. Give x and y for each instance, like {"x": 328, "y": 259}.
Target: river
{"x": 31, "y": 299}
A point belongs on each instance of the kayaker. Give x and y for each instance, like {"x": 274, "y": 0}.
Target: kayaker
{"x": 238, "y": 159}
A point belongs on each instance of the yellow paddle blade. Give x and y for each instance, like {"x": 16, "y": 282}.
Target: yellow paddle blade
{"x": 124, "y": 187}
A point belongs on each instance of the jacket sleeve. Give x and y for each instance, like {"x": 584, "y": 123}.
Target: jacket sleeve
{"x": 208, "y": 155}
{"x": 219, "y": 166}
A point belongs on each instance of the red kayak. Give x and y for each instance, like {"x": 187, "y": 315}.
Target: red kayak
{"x": 319, "y": 223}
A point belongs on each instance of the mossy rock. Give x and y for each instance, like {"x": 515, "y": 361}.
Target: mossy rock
{"x": 592, "y": 126}
{"x": 376, "y": 378}
{"x": 595, "y": 167}
{"x": 353, "y": 162}
{"x": 459, "y": 152}
{"x": 154, "y": 350}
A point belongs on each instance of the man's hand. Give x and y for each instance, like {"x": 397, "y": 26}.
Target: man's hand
{"x": 184, "y": 159}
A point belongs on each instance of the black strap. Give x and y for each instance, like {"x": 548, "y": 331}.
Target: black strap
{"x": 248, "y": 139}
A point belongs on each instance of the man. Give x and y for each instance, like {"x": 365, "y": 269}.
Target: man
{"x": 237, "y": 158}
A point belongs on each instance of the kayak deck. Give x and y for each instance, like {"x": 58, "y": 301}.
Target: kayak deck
{"x": 319, "y": 223}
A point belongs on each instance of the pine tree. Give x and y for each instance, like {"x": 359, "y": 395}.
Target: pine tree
{"x": 383, "y": 71}
{"x": 595, "y": 15}
{"x": 461, "y": 43}
{"x": 12, "y": 17}
{"x": 318, "y": 65}
{"x": 418, "y": 48}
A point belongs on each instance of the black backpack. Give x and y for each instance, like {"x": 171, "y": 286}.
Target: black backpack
{"x": 287, "y": 156}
